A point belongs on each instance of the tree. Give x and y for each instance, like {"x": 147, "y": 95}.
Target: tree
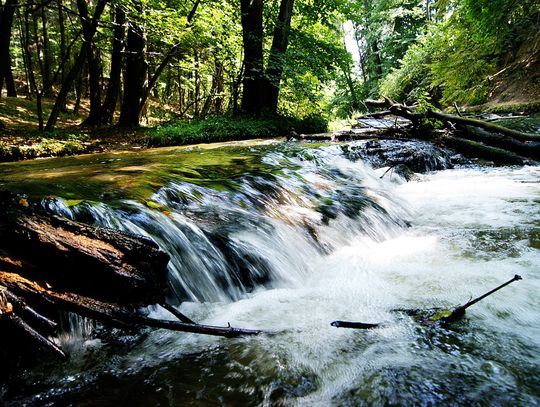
{"x": 6, "y": 24}
{"x": 261, "y": 87}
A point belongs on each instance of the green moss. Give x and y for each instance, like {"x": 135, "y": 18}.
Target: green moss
{"x": 509, "y": 107}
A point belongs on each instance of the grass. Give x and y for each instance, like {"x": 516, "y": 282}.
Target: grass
{"x": 20, "y": 139}
{"x": 227, "y": 128}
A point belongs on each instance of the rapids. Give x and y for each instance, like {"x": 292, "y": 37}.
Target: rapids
{"x": 288, "y": 237}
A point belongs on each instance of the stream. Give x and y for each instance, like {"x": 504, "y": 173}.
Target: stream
{"x": 288, "y": 237}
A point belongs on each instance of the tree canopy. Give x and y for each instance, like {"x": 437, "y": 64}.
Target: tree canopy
{"x": 129, "y": 60}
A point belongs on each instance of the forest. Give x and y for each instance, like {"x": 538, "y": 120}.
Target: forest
{"x": 213, "y": 70}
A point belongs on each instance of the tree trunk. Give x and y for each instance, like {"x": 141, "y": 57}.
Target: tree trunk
{"x": 220, "y": 88}
{"x": 47, "y": 54}
{"x": 276, "y": 60}
{"x": 135, "y": 73}
{"x": 252, "y": 36}
{"x": 115, "y": 82}
{"x": 164, "y": 63}
{"x": 6, "y": 24}
{"x": 80, "y": 88}
{"x": 24, "y": 46}
{"x": 197, "y": 84}
{"x": 31, "y": 75}
{"x": 62, "y": 39}
{"x": 10, "y": 81}
{"x": 377, "y": 60}
{"x": 93, "y": 63}
{"x": 72, "y": 75}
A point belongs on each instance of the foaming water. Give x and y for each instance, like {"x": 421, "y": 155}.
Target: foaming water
{"x": 326, "y": 238}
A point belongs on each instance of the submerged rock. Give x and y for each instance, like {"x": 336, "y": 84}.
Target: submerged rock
{"x": 417, "y": 156}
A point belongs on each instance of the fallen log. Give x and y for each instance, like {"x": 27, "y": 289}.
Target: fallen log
{"x": 489, "y": 126}
{"x": 19, "y": 306}
{"x": 71, "y": 256}
{"x": 488, "y": 139}
{"x": 529, "y": 149}
{"x": 49, "y": 264}
{"x": 15, "y": 323}
{"x": 474, "y": 149}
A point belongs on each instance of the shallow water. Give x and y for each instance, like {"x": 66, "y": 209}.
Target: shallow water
{"x": 287, "y": 238}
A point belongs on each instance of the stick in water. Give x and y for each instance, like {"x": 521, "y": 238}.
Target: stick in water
{"x": 458, "y": 312}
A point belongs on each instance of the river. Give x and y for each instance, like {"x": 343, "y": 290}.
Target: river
{"x": 288, "y": 237}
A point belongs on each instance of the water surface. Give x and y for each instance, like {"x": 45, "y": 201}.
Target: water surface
{"x": 287, "y": 238}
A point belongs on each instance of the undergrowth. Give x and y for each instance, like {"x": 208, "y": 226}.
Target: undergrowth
{"x": 221, "y": 129}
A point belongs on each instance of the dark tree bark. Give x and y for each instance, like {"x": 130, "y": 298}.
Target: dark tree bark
{"x": 62, "y": 29}
{"x": 220, "y": 88}
{"x": 93, "y": 63}
{"x": 114, "y": 86}
{"x": 135, "y": 74}
{"x": 80, "y": 88}
{"x": 50, "y": 264}
{"x": 276, "y": 60}
{"x": 377, "y": 60}
{"x": 6, "y": 24}
{"x": 31, "y": 76}
{"x": 10, "y": 81}
{"x": 72, "y": 257}
{"x": 252, "y": 36}
{"x": 197, "y": 84}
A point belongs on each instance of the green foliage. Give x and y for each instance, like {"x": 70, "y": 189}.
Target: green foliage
{"x": 226, "y": 128}
{"x": 405, "y": 83}
{"x": 458, "y": 54}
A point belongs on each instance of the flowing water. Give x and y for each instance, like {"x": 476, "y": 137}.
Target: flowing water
{"x": 287, "y": 238}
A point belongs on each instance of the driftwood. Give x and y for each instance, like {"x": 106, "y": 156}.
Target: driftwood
{"x": 50, "y": 264}
{"x": 457, "y": 313}
{"x": 109, "y": 313}
{"x": 429, "y": 316}
{"x": 469, "y": 136}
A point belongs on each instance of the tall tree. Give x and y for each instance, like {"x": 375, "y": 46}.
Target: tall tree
{"x": 276, "y": 59}
{"x": 261, "y": 87}
{"x": 113, "y": 88}
{"x": 90, "y": 27}
{"x": 135, "y": 75}
{"x": 6, "y": 24}
{"x": 252, "y": 34}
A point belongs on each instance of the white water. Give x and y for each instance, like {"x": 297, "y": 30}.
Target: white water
{"x": 439, "y": 261}
{"x": 471, "y": 230}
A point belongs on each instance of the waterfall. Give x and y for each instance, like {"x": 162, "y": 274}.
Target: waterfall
{"x": 265, "y": 229}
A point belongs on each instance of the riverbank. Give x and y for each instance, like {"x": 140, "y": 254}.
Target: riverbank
{"x": 20, "y": 139}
